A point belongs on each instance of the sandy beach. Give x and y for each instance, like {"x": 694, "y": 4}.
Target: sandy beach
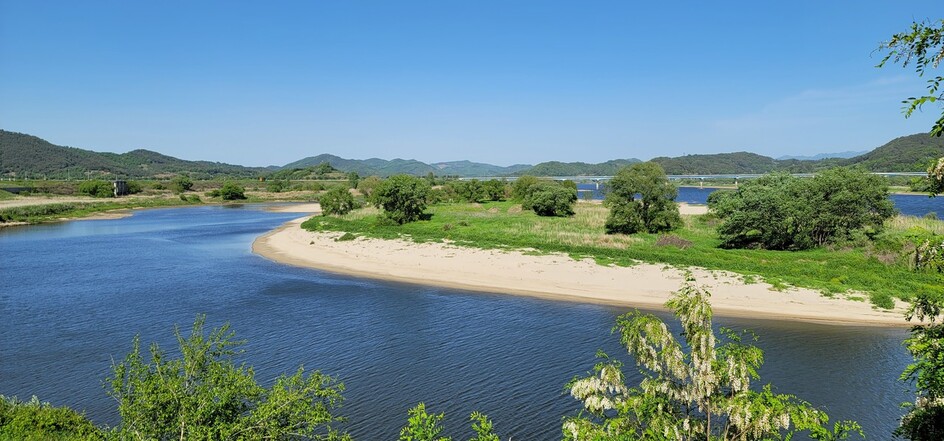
{"x": 553, "y": 276}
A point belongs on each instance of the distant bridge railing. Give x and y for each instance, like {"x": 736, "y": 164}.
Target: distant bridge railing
{"x": 677, "y": 177}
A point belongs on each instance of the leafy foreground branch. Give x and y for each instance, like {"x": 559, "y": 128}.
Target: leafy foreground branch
{"x": 700, "y": 394}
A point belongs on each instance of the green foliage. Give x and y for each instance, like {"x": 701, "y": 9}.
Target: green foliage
{"x": 422, "y": 426}
{"x": 925, "y": 418}
{"x": 781, "y": 212}
{"x": 337, "y": 200}
{"x": 231, "y": 191}
{"x": 703, "y": 393}
{"x": 323, "y": 169}
{"x": 368, "y": 185}
{"x": 5, "y": 195}
{"x": 402, "y": 197}
{"x": 654, "y": 211}
{"x": 353, "y": 179}
{"x": 494, "y": 190}
{"x": 923, "y": 47}
{"x": 550, "y": 199}
{"x": 556, "y": 168}
{"x": 205, "y": 395}
{"x": 523, "y": 187}
{"x": 467, "y": 191}
{"x": 97, "y": 188}
{"x": 181, "y": 184}
{"x": 36, "y": 421}
{"x": 276, "y": 186}
{"x": 134, "y": 187}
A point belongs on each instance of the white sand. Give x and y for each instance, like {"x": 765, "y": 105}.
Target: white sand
{"x": 554, "y": 276}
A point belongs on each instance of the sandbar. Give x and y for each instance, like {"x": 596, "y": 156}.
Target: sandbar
{"x": 556, "y": 276}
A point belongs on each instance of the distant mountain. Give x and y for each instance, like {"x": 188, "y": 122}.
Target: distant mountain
{"x": 26, "y": 155}
{"x": 816, "y": 157}
{"x": 907, "y": 153}
{"x": 22, "y": 155}
{"x": 717, "y": 164}
{"x": 468, "y": 168}
{"x": 383, "y": 167}
{"x": 556, "y": 168}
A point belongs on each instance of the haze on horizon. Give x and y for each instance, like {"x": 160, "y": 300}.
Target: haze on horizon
{"x": 498, "y": 82}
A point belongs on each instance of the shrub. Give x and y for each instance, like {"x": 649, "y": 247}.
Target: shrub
{"x": 181, "y": 184}
{"x": 337, "y": 200}
{"x": 232, "y": 191}
{"x": 550, "y": 199}
{"x": 97, "y": 188}
{"x": 34, "y": 420}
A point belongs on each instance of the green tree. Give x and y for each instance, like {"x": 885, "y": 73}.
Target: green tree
{"x": 493, "y": 190}
{"x": 925, "y": 418}
{"x": 782, "y": 212}
{"x": 231, "y": 191}
{"x": 523, "y": 187}
{"x": 550, "y": 199}
{"x": 323, "y": 169}
{"x": 923, "y": 47}
{"x": 205, "y": 395}
{"x": 402, "y": 197}
{"x": 181, "y": 184}
{"x": 703, "y": 393}
{"x": 353, "y": 179}
{"x": 653, "y": 211}
{"x": 337, "y": 200}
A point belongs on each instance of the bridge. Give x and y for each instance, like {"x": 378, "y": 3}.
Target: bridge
{"x": 677, "y": 177}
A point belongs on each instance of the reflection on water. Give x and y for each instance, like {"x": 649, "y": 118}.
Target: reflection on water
{"x": 74, "y": 294}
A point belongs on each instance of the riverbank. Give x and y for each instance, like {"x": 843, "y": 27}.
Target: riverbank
{"x": 555, "y": 276}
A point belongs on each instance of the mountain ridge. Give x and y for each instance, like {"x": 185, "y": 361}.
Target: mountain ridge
{"x": 27, "y": 154}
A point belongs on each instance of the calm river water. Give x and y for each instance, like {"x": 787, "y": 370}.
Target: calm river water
{"x": 72, "y": 296}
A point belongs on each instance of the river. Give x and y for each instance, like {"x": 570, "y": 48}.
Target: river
{"x": 73, "y": 295}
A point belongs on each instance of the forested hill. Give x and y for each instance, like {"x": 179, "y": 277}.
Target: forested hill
{"x": 907, "y": 153}
{"x": 555, "y": 168}
{"x": 24, "y": 155}
{"x": 383, "y": 167}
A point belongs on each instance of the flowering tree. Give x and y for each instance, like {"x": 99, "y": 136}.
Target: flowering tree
{"x": 701, "y": 393}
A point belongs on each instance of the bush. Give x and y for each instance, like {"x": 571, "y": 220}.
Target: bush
{"x": 34, "y": 420}
{"x": 550, "y": 199}
{"x": 206, "y": 394}
{"x": 97, "y": 188}
{"x": 523, "y": 187}
{"x": 276, "y": 186}
{"x": 232, "y": 191}
{"x": 368, "y": 186}
{"x": 337, "y": 200}
{"x": 181, "y": 184}
{"x": 402, "y": 197}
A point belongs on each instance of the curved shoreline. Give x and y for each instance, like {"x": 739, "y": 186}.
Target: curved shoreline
{"x": 555, "y": 276}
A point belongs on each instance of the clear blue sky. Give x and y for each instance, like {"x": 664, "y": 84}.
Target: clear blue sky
{"x": 260, "y": 83}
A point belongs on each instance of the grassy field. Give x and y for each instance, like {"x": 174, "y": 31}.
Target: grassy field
{"x": 880, "y": 269}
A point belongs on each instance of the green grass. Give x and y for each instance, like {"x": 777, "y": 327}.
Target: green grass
{"x": 34, "y": 214}
{"x": 5, "y": 195}
{"x": 879, "y": 269}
